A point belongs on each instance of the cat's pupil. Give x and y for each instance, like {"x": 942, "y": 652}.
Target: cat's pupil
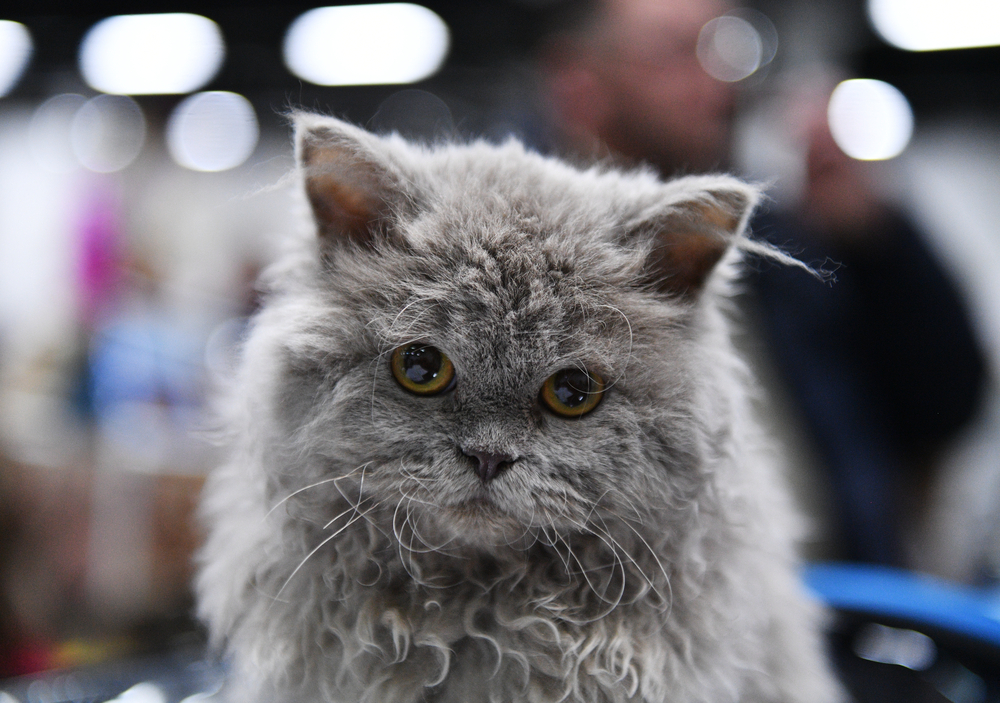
{"x": 571, "y": 387}
{"x": 421, "y": 364}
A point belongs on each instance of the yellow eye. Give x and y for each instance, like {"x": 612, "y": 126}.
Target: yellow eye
{"x": 572, "y": 392}
{"x": 422, "y": 369}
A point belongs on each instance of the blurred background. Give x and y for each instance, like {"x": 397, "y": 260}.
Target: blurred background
{"x": 144, "y": 172}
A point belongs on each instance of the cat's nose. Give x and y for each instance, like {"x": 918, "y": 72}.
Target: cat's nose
{"x": 488, "y": 464}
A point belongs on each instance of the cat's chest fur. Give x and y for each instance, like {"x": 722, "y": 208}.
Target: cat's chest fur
{"x": 489, "y": 442}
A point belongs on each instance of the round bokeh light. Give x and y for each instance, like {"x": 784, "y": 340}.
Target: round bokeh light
{"x": 870, "y": 120}
{"x": 212, "y": 131}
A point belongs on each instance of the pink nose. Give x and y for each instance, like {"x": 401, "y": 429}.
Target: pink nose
{"x": 488, "y": 465}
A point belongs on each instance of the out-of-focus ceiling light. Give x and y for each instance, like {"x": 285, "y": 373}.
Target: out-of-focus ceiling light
{"x": 729, "y": 48}
{"x": 366, "y": 44}
{"x": 929, "y": 25}
{"x": 151, "y": 54}
{"x": 107, "y": 133}
{"x": 145, "y": 692}
{"x": 893, "y": 645}
{"x": 212, "y": 131}
{"x": 49, "y": 133}
{"x": 15, "y": 52}
{"x": 870, "y": 120}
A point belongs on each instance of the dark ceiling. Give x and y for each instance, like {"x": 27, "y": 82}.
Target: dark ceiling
{"x": 489, "y": 37}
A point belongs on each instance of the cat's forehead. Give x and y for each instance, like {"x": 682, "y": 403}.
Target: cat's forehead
{"x": 506, "y": 184}
{"x": 505, "y": 290}
{"x": 504, "y": 209}
{"x": 515, "y": 256}
{"x": 508, "y": 245}
{"x": 486, "y": 273}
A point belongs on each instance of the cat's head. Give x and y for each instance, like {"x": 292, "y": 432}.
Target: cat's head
{"x": 491, "y": 342}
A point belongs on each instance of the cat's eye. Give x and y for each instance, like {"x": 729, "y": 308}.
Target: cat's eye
{"x": 422, "y": 369}
{"x": 572, "y": 392}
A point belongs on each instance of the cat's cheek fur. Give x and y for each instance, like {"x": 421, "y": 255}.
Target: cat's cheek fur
{"x": 642, "y": 552}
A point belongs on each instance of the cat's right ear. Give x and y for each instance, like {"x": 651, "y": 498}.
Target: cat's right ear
{"x": 354, "y": 190}
{"x": 700, "y": 219}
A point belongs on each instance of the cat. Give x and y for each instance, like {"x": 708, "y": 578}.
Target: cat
{"x": 489, "y": 441}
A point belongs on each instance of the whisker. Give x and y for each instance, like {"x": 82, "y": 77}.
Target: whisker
{"x": 333, "y": 480}
{"x": 410, "y": 498}
{"x": 586, "y": 574}
{"x": 666, "y": 578}
{"x": 353, "y": 508}
{"x": 317, "y": 548}
{"x": 407, "y": 564}
{"x": 631, "y": 505}
{"x": 631, "y": 340}
{"x": 666, "y": 598}
{"x": 407, "y": 307}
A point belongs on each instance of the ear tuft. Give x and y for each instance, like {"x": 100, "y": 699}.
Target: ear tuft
{"x": 694, "y": 228}
{"x": 353, "y": 188}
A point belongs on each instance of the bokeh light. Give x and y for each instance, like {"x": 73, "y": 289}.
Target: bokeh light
{"x": 766, "y": 31}
{"x": 212, "y": 131}
{"x": 49, "y": 132}
{"x": 108, "y": 133}
{"x": 730, "y": 48}
{"x": 930, "y": 25}
{"x": 870, "y": 120}
{"x": 415, "y": 114}
{"x": 151, "y": 54}
{"x": 15, "y": 52}
{"x": 145, "y": 692}
{"x": 897, "y": 646}
{"x": 366, "y": 44}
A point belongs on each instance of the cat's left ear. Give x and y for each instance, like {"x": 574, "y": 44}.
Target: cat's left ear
{"x": 698, "y": 221}
{"x": 354, "y": 188}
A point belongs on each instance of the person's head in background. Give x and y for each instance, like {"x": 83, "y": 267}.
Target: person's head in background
{"x": 623, "y": 76}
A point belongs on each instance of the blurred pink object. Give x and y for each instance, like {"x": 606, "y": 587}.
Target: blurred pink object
{"x": 99, "y": 260}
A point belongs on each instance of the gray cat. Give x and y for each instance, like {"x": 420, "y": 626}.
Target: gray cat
{"x": 490, "y": 442}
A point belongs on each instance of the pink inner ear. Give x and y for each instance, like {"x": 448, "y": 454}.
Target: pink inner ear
{"x": 682, "y": 260}
{"x": 346, "y": 190}
{"x": 691, "y": 239}
{"x": 343, "y": 209}
{"x": 725, "y": 218}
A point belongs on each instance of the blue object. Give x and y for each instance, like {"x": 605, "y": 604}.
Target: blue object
{"x": 909, "y": 596}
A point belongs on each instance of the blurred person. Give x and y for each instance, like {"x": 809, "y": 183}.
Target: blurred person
{"x": 623, "y": 78}
{"x": 883, "y": 365}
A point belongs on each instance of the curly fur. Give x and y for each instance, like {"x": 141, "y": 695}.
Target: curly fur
{"x": 640, "y": 553}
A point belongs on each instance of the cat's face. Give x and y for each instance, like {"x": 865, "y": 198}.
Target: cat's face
{"x": 493, "y": 344}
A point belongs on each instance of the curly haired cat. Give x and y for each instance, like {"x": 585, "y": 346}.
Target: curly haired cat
{"x": 490, "y": 442}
